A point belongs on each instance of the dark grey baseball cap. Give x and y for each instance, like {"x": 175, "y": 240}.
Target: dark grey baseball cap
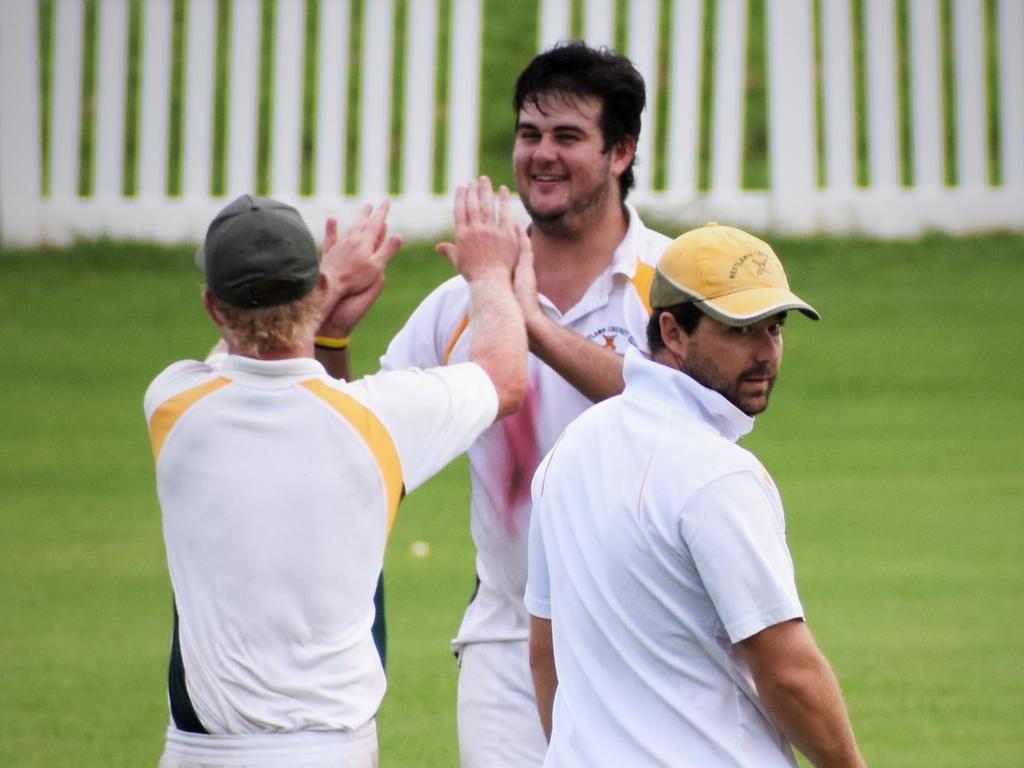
{"x": 259, "y": 253}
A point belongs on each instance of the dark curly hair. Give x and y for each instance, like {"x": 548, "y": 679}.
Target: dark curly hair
{"x": 687, "y": 315}
{"x": 576, "y": 70}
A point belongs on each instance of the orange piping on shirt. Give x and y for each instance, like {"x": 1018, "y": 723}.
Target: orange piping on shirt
{"x": 455, "y": 338}
{"x": 643, "y": 485}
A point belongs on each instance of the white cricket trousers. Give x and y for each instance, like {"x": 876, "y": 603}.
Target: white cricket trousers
{"x": 304, "y": 749}
{"x": 499, "y": 726}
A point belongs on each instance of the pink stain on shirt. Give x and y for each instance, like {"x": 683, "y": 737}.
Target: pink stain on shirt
{"x": 522, "y": 455}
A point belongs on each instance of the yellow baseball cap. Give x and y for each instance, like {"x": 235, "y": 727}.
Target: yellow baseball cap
{"x": 729, "y": 274}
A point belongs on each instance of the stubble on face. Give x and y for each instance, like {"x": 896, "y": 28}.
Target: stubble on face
{"x": 578, "y": 213}
{"x": 582, "y": 165}
{"x": 749, "y": 391}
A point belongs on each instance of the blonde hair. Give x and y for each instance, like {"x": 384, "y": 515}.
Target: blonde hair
{"x": 257, "y": 331}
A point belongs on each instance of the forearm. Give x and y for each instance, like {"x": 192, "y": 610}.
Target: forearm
{"x": 335, "y": 361}
{"x": 595, "y": 371}
{"x": 542, "y": 667}
{"x": 811, "y": 714}
{"x": 499, "y": 337}
{"x": 802, "y": 696}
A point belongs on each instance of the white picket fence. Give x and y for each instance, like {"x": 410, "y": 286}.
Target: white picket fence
{"x": 795, "y": 202}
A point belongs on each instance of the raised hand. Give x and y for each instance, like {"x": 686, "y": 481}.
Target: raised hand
{"x": 355, "y": 265}
{"x": 524, "y": 281}
{"x": 484, "y": 239}
{"x": 488, "y": 244}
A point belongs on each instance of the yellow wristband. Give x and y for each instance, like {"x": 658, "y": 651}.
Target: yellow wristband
{"x": 332, "y": 343}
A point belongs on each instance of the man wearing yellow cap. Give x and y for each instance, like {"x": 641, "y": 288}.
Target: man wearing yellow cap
{"x": 666, "y": 627}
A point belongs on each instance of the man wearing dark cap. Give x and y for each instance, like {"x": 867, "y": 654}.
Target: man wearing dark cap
{"x": 666, "y": 627}
{"x": 278, "y": 484}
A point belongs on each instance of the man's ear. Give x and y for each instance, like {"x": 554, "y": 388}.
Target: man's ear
{"x": 211, "y": 308}
{"x": 623, "y": 154}
{"x": 675, "y": 339}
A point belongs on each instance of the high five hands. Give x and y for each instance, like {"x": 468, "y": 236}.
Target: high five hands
{"x": 355, "y": 265}
{"x": 485, "y": 238}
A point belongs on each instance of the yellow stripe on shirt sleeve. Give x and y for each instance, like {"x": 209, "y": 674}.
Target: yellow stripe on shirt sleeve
{"x": 373, "y": 432}
{"x": 642, "y": 281}
{"x": 167, "y": 415}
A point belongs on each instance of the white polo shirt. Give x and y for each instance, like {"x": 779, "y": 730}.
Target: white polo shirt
{"x": 613, "y": 312}
{"x": 278, "y": 486}
{"x": 656, "y": 544}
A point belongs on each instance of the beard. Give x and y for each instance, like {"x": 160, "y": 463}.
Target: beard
{"x": 704, "y": 372}
{"x": 577, "y": 214}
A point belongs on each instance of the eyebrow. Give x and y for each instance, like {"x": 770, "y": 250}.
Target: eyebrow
{"x": 564, "y": 128}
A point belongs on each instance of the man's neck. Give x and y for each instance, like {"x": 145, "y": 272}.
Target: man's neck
{"x": 666, "y": 357}
{"x": 306, "y": 350}
{"x": 566, "y": 264}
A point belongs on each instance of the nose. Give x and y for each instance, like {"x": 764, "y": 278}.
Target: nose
{"x": 767, "y": 347}
{"x": 546, "y": 150}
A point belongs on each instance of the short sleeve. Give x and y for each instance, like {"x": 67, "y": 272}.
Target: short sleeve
{"x": 432, "y": 415}
{"x": 433, "y": 325}
{"x": 735, "y": 533}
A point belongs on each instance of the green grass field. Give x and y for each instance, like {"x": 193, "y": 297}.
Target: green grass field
{"x": 891, "y": 436}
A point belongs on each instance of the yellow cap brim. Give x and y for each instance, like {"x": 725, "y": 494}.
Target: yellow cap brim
{"x": 751, "y": 306}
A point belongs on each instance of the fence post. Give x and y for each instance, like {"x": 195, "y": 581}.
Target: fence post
{"x": 599, "y": 23}
{"x": 926, "y": 60}
{"x": 730, "y": 86}
{"x": 110, "y": 100}
{"x": 464, "y": 113}
{"x": 643, "y": 50}
{"x": 243, "y": 110}
{"x": 200, "y": 64}
{"x": 153, "y": 101}
{"x": 882, "y": 108}
{"x": 286, "y": 152}
{"x": 837, "y": 69}
{"x": 554, "y": 22}
{"x": 684, "y": 99}
{"x": 420, "y": 98}
{"x": 332, "y": 98}
{"x": 375, "y": 125}
{"x": 792, "y": 134}
{"x": 971, "y": 98}
{"x": 1011, "y": 83}
{"x": 20, "y": 150}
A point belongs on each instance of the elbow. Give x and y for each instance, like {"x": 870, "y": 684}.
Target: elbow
{"x": 508, "y": 375}
{"x": 511, "y": 395}
{"x": 789, "y": 686}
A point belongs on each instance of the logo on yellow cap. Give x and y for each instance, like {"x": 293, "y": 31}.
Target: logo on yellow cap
{"x": 759, "y": 258}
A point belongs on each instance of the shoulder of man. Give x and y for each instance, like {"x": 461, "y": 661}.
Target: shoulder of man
{"x": 175, "y": 379}
{"x": 431, "y": 329}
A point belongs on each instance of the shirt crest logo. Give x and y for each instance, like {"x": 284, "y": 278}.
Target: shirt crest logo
{"x": 613, "y": 337}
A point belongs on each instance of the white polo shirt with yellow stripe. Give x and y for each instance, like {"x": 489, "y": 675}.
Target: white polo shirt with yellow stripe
{"x": 278, "y": 486}
{"x": 613, "y": 312}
